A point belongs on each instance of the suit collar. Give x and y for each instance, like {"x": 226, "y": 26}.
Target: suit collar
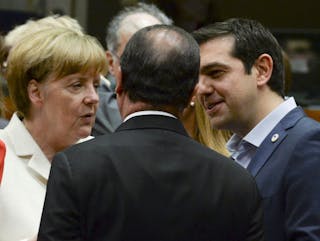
{"x": 153, "y": 122}
{"x": 24, "y": 146}
{"x": 274, "y": 138}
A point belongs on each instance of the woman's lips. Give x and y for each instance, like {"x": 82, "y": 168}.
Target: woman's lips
{"x": 88, "y": 118}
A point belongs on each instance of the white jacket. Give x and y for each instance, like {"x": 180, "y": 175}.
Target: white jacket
{"x": 23, "y": 186}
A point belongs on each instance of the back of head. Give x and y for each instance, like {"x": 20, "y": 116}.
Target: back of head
{"x": 251, "y": 40}
{"x": 54, "y": 52}
{"x": 115, "y": 26}
{"x": 160, "y": 66}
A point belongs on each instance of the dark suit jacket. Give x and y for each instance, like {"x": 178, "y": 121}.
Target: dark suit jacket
{"x": 149, "y": 181}
{"x": 287, "y": 171}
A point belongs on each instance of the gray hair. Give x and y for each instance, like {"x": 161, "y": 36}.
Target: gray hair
{"x": 112, "y": 37}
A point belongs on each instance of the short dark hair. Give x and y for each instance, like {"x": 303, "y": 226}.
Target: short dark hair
{"x": 160, "y": 66}
{"x": 251, "y": 40}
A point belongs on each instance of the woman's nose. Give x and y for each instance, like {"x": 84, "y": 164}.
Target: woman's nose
{"x": 92, "y": 96}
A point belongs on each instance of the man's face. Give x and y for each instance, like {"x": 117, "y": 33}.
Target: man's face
{"x": 128, "y": 27}
{"x": 227, "y": 92}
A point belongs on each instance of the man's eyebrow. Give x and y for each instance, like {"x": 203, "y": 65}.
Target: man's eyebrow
{"x": 208, "y": 67}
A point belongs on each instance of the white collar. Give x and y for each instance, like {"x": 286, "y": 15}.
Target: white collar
{"x": 148, "y": 112}
{"x": 264, "y": 127}
{"x": 25, "y": 146}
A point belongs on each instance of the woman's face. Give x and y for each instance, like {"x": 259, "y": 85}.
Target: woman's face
{"x": 68, "y": 106}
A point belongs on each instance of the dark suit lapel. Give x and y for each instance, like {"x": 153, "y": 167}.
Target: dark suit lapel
{"x": 272, "y": 141}
{"x": 153, "y": 122}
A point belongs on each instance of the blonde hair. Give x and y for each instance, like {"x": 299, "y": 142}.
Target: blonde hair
{"x": 52, "y": 21}
{"x": 208, "y": 136}
{"x": 54, "y": 52}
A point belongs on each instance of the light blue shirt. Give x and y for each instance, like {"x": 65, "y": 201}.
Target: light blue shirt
{"x": 237, "y": 145}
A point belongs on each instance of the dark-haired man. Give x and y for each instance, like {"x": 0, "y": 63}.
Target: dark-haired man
{"x": 241, "y": 87}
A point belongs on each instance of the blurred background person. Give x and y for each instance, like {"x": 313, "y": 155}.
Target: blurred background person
{"x": 53, "y": 75}
{"x": 120, "y": 29}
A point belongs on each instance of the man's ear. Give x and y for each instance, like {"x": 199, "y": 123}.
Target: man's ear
{"x": 264, "y": 66}
{"x": 34, "y": 92}
{"x": 111, "y": 62}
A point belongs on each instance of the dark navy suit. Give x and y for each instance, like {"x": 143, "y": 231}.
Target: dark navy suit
{"x": 286, "y": 168}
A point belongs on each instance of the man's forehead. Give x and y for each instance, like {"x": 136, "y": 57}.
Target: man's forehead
{"x": 132, "y": 24}
{"x": 218, "y": 42}
{"x": 138, "y": 21}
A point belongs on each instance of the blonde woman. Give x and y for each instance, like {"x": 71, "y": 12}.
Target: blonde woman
{"x": 52, "y": 78}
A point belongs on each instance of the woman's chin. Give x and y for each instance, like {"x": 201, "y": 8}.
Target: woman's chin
{"x": 84, "y": 133}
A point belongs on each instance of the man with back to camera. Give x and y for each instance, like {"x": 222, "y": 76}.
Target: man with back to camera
{"x": 241, "y": 87}
{"x": 120, "y": 29}
{"x": 149, "y": 180}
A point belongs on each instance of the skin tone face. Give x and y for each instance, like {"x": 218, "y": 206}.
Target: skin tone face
{"x": 228, "y": 93}
{"x": 63, "y": 108}
{"x": 129, "y": 26}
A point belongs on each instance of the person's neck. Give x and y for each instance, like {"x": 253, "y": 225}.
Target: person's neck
{"x": 40, "y": 136}
{"x": 264, "y": 106}
{"x": 128, "y": 107}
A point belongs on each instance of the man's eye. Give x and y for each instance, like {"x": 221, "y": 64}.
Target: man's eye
{"x": 216, "y": 73}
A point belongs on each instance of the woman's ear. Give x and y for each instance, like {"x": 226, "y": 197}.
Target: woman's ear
{"x": 264, "y": 66}
{"x": 34, "y": 92}
{"x": 193, "y": 97}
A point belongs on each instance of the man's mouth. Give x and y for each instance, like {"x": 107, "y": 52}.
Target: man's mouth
{"x": 213, "y": 107}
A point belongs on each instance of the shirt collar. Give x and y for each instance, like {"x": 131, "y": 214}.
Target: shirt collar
{"x": 148, "y": 112}
{"x": 264, "y": 127}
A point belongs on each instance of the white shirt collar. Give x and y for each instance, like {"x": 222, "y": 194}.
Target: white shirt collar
{"x": 148, "y": 112}
{"x": 264, "y": 127}
{"x": 259, "y": 132}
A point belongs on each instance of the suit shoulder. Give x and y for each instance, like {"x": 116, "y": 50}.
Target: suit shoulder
{"x": 225, "y": 165}
{"x": 89, "y": 149}
{"x": 306, "y": 128}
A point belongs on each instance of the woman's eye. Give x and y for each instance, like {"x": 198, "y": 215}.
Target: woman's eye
{"x": 76, "y": 85}
{"x": 96, "y": 85}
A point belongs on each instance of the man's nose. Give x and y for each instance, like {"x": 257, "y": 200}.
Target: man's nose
{"x": 204, "y": 87}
